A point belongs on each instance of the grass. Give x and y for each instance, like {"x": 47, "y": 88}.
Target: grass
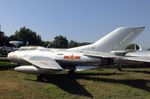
{"x": 97, "y": 84}
{"x": 5, "y": 64}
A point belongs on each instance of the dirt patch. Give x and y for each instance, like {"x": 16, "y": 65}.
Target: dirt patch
{"x": 6, "y": 87}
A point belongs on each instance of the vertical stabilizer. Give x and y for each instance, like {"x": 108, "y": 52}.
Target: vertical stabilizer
{"x": 118, "y": 39}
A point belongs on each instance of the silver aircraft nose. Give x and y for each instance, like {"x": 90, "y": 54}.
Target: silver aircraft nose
{"x": 11, "y": 56}
{"x": 16, "y": 57}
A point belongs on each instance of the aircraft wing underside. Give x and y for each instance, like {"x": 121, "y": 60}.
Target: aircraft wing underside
{"x": 43, "y": 62}
{"x": 139, "y": 59}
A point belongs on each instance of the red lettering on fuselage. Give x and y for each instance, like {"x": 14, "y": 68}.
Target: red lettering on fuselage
{"x": 72, "y": 57}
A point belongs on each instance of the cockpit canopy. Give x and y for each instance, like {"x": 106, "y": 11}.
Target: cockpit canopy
{"x": 31, "y": 48}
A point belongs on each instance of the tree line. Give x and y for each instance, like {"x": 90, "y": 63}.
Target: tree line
{"x": 26, "y": 35}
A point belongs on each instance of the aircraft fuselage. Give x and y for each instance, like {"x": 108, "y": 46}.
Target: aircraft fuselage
{"x": 63, "y": 57}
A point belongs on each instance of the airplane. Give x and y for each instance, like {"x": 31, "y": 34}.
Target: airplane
{"x": 41, "y": 61}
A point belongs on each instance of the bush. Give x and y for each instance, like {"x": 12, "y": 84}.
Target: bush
{"x": 7, "y": 65}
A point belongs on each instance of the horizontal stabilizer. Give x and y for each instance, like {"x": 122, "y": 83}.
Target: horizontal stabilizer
{"x": 139, "y": 59}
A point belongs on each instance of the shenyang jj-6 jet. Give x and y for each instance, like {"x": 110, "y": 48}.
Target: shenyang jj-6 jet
{"x": 41, "y": 61}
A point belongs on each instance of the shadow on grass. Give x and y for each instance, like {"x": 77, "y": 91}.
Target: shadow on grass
{"x": 138, "y": 83}
{"x": 138, "y": 71}
{"x": 70, "y": 84}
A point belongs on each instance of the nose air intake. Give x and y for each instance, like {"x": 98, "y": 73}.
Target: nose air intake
{"x": 11, "y": 56}
{"x": 14, "y": 57}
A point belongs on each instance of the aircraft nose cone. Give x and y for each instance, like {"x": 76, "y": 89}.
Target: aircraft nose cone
{"x": 12, "y": 56}
{"x": 9, "y": 56}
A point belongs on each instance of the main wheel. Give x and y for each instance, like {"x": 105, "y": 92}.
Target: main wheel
{"x": 118, "y": 67}
{"x": 42, "y": 78}
{"x": 72, "y": 71}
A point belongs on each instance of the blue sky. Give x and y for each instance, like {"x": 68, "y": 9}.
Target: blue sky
{"x": 80, "y": 20}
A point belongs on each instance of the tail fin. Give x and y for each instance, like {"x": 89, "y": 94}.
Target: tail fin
{"x": 116, "y": 40}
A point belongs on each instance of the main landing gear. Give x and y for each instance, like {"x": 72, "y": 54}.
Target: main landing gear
{"x": 42, "y": 78}
{"x": 118, "y": 67}
{"x": 71, "y": 72}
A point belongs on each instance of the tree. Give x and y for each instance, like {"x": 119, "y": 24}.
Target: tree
{"x": 4, "y": 40}
{"x": 60, "y": 42}
{"x": 83, "y": 43}
{"x": 72, "y": 44}
{"x": 45, "y": 43}
{"x": 27, "y": 35}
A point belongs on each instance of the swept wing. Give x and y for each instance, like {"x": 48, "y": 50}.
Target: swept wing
{"x": 43, "y": 62}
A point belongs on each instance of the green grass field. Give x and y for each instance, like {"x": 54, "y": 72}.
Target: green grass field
{"x": 97, "y": 84}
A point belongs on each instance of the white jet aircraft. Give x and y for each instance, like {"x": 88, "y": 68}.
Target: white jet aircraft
{"x": 42, "y": 60}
